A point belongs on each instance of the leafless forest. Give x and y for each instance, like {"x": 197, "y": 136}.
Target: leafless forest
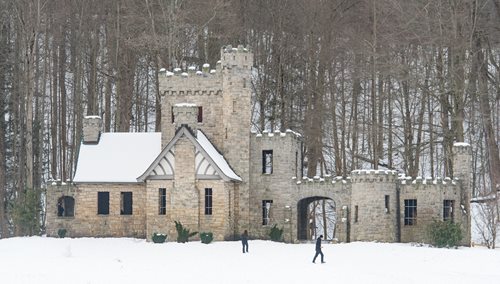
{"x": 383, "y": 84}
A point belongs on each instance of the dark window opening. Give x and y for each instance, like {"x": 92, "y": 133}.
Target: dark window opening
{"x": 244, "y": 82}
{"x": 162, "y": 201}
{"x": 448, "y": 210}
{"x": 208, "y": 201}
{"x": 410, "y": 212}
{"x": 126, "y": 203}
{"x": 172, "y": 114}
{"x": 103, "y": 203}
{"x": 266, "y": 212}
{"x": 356, "y": 214}
{"x": 387, "y": 203}
{"x": 200, "y": 114}
{"x": 267, "y": 161}
{"x": 66, "y": 207}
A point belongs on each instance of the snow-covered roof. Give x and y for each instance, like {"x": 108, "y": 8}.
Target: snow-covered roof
{"x": 118, "y": 157}
{"x": 216, "y": 157}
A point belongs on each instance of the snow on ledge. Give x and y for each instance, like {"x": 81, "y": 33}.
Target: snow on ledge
{"x": 461, "y": 144}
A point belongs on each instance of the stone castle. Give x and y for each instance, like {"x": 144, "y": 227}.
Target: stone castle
{"x": 208, "y": 171}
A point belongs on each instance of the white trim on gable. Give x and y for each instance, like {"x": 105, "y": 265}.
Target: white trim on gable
{"x": 209, "y": 163}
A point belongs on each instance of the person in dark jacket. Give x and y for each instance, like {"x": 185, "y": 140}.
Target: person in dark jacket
{"x": 318, "y": 249}
{"x": 244, "y": 241}
{"x": 60, "y": 209}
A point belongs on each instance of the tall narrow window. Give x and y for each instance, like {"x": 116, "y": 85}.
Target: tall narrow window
{"x": 162, "y": 201}
{"x": 208, "y": 201}
{"x": 244, "y": 82}
{"x": 126, "y": 203}
{"x": 448, "y": 210}
{"x": 356, "y": 214}
{"x": 267, "y": 161}
{"x": 296, "y": 164}
{"x": 410, "y": 212}
{"x": 387, "y": 203}
{"x": 200, "y": 114}
{"x": 103, "y": 203}
{"x": 172, "y": 114}
{"x": 266, "y": 211}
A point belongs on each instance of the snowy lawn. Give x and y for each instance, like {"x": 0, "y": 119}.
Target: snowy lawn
{"x": 92, "y": 260}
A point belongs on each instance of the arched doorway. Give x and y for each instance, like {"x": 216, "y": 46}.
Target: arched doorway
{"x": 316, "y": 216}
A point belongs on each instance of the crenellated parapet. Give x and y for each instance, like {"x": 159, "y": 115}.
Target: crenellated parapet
{"x": 326, "y": 180}
{"x": 406, "y": 180}
{"x": 364, "y": 176}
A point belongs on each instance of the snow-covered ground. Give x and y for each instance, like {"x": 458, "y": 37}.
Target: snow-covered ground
{"x": 125, "y": 260}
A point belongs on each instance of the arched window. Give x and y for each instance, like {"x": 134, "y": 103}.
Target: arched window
{"x": 66, "y": 206}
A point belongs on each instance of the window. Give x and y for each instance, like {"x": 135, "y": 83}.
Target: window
{"x": 208, "y": 201}
{"x": 234, "y": 106}
{"x": 103, "y": 203}
{"x": 266, "y": 211}
{"x": 267, "y": 161}
{"x": 126, "y": 203}
{"x": 448, "y": 210}
{"x": 66, "y": 207}
{"x": 172, "y": 114}
{"x": 387, "y": 204}
{"x": 162, "y": 201}
{"x": 356, "y": 214}
{"x": 200, "y": 114}
{"x": 244, "y": 82}
{"x": 410, "y": 212}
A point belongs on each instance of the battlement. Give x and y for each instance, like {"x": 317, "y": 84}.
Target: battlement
{"x": 278, "y": 134}
{"x": 404, "y": 180}
{"x": 374, "y": 176}
{"x": 327, "y": 179}
{"x": 462, "y": 148}
{"x": 241, "y": 57}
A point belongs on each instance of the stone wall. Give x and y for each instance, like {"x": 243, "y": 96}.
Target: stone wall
{"x": 370, "y": 218}
{"x": 86, "y": 222}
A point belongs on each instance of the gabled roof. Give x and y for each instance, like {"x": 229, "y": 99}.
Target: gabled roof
{"x": 209, "y": 162}
{"x": 118, "y": 157}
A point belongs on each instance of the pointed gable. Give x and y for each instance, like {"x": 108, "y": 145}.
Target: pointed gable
{"x": 209, "y": 163}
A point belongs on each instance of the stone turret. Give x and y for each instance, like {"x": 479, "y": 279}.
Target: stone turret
{"x": 92, "y": 126}
{"x": 462, "y": 165}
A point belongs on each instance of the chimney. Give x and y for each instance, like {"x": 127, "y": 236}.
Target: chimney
{"x": 186, "y": 114}
{"x": 91, "y": 129}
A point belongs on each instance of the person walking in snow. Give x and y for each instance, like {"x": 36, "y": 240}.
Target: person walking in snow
{"x": 244, "y": 241}
{"x": 318, "y": 249}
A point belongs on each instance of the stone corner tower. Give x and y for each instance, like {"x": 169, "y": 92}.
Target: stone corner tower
{"x": 462, "y": 165}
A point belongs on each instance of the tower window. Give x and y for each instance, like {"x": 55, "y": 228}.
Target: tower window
{"x": 208, "y": 201}
{"x": 267, "y": 161}
{"x": 66, "y": 207}
{"x": 410, "y": 212}
{"x": 266, "y": 212}
{"x": 162, "y": 201}
{"x": 200, "y": 114}
{"x": 172, "y": 114}
{"x": 103, "y": 203}
{"x": 355, "y": 213}
{"x": 448, "y": 210}
{"x": 244, "y": 82}
{"x": 387, "y": 204}
{"x": 126, "y": 203}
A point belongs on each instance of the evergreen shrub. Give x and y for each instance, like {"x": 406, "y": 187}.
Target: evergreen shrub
{"x": 206, "y": 238}
{"x": 159, "y": 238}
{"x": 62, "y": 233}
{"x": 444, "y": 234}
{"x": 276, "y": 234}
{"x": 183, "y": 234}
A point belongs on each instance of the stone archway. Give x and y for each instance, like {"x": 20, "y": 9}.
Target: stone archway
{"x": 313, "y": 215}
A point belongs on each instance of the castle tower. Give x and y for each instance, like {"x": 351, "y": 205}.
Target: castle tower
{"x": 236, "y": 64}
{"x": 462, "y": 165}
{"x": 222, "y": 97}
{"x": 374, "y": 206}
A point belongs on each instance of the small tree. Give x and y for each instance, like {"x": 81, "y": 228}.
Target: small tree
{"x": 26, "y": 213}
{"x": 444, "y": 233}
{"x": 183, "y": 234}
{"x": 486, "y": 219}
{"x": 276, "y": 234}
